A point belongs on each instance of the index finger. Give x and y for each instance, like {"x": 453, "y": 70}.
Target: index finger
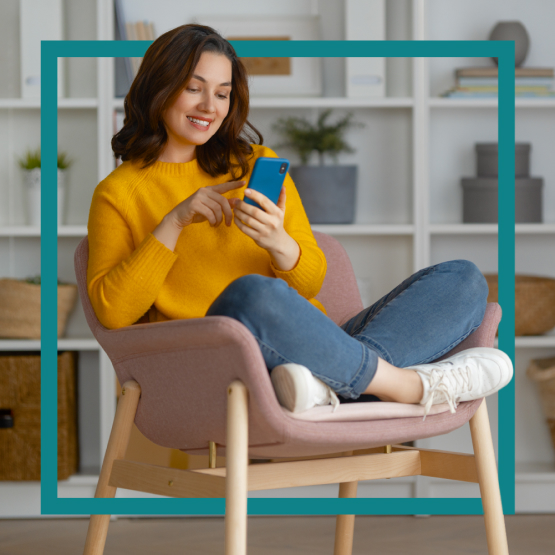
{"x": 228, "y": 186}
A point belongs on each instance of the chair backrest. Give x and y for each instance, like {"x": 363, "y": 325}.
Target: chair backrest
{"x": 339, "y": 293}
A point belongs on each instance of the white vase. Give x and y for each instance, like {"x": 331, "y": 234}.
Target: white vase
{"x": 33, "y": 186}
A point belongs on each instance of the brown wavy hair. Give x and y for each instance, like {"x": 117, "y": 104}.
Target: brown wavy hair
{"x": 166, "y": 69}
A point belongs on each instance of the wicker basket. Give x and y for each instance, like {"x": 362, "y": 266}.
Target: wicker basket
{"x": 534, "y": 303}
{"x": 20, "y": 392}
{"x": 542, "y": 371}
{"x": 20, "y": 308}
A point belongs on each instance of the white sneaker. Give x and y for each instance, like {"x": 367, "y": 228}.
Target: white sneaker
{"x": 466, "y": 376}
{"x": 297, "y": 389}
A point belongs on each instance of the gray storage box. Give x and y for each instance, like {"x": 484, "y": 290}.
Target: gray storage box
{"x": 486, "y": 158}
{"x": 480, "y": 200}
{"x": 328, "y": 193}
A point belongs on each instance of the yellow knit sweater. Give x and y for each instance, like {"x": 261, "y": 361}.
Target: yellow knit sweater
{"x": 131, "y": 273}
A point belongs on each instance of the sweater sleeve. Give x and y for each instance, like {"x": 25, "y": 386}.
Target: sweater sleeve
{"x": 123, "y": 281}
{"x": 309, "y": 273}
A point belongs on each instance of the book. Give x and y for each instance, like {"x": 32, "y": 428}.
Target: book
{"x": 123, "y": 66}
{"x": 365, "y": 20}
{"x": 492, "y": 72}
{"x": 38, "y": 20}
{"x": 493, "y": 82}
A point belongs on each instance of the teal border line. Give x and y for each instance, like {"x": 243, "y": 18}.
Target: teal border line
{"x": 51, "y": 504}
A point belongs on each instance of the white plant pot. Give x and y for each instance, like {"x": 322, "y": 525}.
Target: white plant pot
{"x": 33, "y": 186}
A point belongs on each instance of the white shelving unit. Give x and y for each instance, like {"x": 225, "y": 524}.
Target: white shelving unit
{"x": 411, "y": 154}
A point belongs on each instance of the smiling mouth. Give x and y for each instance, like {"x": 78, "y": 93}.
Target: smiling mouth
{"x": 199, "y": 122}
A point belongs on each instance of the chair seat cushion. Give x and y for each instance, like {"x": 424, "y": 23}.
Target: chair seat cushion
{"x": 358, "y": 412}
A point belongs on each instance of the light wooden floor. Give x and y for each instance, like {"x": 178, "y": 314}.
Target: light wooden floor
{"x": 383, "y": 535}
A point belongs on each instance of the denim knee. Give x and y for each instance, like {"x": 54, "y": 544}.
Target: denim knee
{"x": 245, "y": 293}
{"x": 471, "y": 286}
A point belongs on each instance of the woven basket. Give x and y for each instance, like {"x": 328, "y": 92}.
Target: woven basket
{"x": 20, "y": 308}
{"x": 20, "y": 446}
{"x": 534, "y": 303}
{"x": 542, "y": 371}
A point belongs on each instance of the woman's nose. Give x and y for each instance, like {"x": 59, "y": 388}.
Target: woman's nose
{"x": 207, "y": 103}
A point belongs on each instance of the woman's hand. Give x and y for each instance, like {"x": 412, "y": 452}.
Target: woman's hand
{"x": 208, "y": 203}
{"x": 265, "y": 227}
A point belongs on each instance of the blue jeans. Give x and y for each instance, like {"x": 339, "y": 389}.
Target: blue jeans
{"x": 419, "y": 321}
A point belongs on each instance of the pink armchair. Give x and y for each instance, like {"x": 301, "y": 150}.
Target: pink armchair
{"x": 199, "y": 385}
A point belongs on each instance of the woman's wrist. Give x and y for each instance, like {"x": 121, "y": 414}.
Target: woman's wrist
{"x": 286, "y": 257}
{"x": 168, "y": 231}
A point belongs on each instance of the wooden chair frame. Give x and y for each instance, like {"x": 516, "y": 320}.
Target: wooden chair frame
{"x": 238, "y": 478}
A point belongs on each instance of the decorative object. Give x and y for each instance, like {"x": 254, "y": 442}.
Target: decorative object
{"x": 304, "y": 76}
{"x": 542, "y": 371}
{"x": 328, "y": 193}
{"x": 30, "y": 163}
{"x": 487, "y": 156}
{"x": 512, "y": 30}
{"x": 38, "y": 20}
{"x": 534, "y": 303}
{"x": 480, "y": 194}
{"x": 365, "y": 76}
{"x": 20, "y": 307}
{"x": 20, "y": 444}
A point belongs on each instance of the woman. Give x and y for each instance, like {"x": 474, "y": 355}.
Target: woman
{"x": 171, "y": 238}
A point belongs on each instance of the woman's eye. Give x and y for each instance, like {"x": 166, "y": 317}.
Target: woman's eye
{"x": 192, "y": 90}
{"x": 222, "y": 96}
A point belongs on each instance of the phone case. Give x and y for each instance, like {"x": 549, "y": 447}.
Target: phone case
{"x": 267, "y": 179}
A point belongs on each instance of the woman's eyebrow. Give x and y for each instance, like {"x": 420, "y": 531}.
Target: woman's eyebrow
{"x": 204, "y": 81}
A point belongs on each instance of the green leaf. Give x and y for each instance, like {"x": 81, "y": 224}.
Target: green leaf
{"x": 325, "y": 138}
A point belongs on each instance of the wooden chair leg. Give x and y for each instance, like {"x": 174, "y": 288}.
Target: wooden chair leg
{"x": 345, "y": 524}
{"x": 489, "y": 482}
{"x": 236, "y": 469}
{"x": 117, "y": 445}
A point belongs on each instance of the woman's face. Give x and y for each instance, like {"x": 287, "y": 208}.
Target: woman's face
{"x": 202, "y": 106}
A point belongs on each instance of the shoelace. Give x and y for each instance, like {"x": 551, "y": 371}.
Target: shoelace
{"x": 334, "y": 399}
{"x": 448, "y": 382}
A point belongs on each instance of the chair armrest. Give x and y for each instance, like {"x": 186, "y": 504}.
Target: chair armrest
{"x": 184, "y": 368}
{"x": 484, "y": 335}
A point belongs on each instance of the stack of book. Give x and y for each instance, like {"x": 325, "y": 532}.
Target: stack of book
{"x": 481, "y": 82}
{"x": 141, "y": 30}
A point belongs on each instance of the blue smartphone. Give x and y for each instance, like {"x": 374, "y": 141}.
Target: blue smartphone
{"x": 267, "y": 178}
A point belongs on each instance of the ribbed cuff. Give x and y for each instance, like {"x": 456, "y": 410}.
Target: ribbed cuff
{"x": 150, "y": 263}
{"x": 302, "y": 276}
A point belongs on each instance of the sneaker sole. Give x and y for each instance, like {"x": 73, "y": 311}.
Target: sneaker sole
{"x": 289, "y": 387}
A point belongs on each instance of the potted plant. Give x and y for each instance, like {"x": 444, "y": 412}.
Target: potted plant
{"x": 30, "y": 163}
{"x": 328, "y": 192}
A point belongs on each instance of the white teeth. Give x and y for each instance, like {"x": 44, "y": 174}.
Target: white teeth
{"x": 199, "y": 121}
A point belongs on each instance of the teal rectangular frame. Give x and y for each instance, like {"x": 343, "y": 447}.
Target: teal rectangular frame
{"x": 51, "y": 504}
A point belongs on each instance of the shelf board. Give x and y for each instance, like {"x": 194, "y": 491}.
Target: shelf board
{"x": 438, "y": 102}
{"x": 30, "y": 231}
{"x": 34, "y": 103}
{"x": 64, "y": 344}
{"x": 365, "y": 229}
{"x": 532, "y": 341}
{"x": 535, "y": 472}
{"x": 317, "y": 102}
{"x": 489, "y": 229}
